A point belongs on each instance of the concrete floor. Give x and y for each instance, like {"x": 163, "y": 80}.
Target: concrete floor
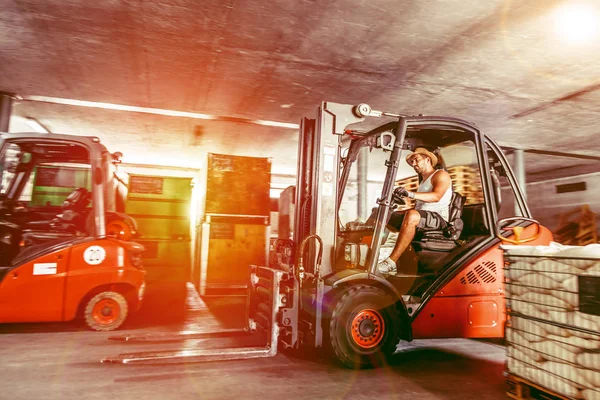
{"x": 61, "y": 361}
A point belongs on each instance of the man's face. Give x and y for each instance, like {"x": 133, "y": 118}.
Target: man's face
{"x": 419, "y": 163}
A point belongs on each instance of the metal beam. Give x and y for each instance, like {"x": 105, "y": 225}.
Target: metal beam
{"x": 562, "y": 172}
{"x": 509, "y": 149}
{"x": 158, "y": 111}
{"x": 520, "y": 175}
{"x": 559, "y": 100}
{"x": 362, "y": 183}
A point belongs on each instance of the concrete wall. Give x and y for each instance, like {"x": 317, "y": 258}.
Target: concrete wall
{"x": 546, "y": 204}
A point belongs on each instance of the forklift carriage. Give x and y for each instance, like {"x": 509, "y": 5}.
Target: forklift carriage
{"x": 323, "y": 288}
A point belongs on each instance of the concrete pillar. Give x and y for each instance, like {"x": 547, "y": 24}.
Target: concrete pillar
{"x": 520, "y": 174}
{"x": 363, "y": 160}
{"x": 6, "y": 100}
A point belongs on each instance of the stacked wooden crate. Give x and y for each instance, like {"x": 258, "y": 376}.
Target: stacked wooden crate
{"x": 235, "y": 230}
{"x": 465, "y": 180}
{"x": 553, "y": 330}
{"x": 577, "y": 227}
{"x": 160, "y": 206}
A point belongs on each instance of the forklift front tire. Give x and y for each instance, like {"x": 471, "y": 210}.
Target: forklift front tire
{"x": 106, "y": 311}
{"x": 364, "y": 327}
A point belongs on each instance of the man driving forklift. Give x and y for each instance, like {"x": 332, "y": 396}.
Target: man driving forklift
{"x": 432, "y": 204}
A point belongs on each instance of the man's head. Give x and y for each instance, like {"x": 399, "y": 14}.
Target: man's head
{"x": 421, "y": 160}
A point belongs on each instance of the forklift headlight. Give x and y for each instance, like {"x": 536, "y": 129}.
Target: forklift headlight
{"x": 135, "y": 257}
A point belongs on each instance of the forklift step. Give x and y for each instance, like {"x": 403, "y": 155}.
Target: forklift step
{"x": 401, "y": 275}
{"x": 191, "y": 356}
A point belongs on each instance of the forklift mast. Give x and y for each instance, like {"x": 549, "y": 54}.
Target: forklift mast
{"x": 317, "y": 183}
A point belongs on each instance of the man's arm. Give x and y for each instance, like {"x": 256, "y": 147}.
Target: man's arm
{"x": 441, "y": 182}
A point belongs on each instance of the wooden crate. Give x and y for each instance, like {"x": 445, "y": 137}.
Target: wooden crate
{"x": 237, "y": 185}
{"x": 229, "y": 245}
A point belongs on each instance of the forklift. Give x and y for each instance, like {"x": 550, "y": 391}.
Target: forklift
{"x": 323, "y": 289}
{"x": 65, "y": 251}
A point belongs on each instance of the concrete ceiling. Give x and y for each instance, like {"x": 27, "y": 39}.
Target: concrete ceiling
{"x": 499, "y": 63}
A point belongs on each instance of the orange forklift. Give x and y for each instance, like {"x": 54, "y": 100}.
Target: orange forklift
{"x": 323, "y": 288}
{"x": 64, "y": 250}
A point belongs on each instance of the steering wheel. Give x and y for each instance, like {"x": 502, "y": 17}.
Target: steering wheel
{"x": 518, "y": 230}
{"x": 397, "y": 200}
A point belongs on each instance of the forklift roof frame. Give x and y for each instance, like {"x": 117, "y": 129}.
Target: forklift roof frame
{"x": 97, "y": 152}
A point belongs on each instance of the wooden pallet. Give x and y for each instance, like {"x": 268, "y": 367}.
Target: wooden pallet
{"x": 522, "y": 389}
{"x": 577, "y": 227}
{"x": 461, "y": 169}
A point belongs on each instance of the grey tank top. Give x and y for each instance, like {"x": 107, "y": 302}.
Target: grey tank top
{"x": 441, "y": 207}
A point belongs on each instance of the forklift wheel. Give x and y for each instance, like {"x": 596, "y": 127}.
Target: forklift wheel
{"x": 364, "y": 327}
{"x": 106, "y": 311}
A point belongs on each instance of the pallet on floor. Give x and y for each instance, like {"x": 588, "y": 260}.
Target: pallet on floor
{"x": 522, "y": 389}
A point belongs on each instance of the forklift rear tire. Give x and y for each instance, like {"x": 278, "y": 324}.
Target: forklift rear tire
{"x": 364, "y": 329}
{"x": 106, "y": 311}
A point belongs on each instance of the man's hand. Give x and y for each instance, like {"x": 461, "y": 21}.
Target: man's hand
{"x": 399, "y": 194}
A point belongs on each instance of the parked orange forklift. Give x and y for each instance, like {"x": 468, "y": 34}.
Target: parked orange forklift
{"x": 64, "y": 251}
{"x": 324, "y": 288}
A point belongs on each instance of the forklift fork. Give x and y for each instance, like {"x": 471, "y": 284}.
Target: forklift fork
{"x": 263, "y": 304}
{"x": 179, "y": 336}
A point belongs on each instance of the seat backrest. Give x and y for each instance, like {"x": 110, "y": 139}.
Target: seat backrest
{"x": 457, "y": 201}
{"x": 455, "y": 223}
{"x": 78, "y": 200}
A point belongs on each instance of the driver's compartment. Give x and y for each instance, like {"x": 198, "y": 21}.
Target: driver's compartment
{"x": 45, "y": 196}
{"x": 430, "y": 252}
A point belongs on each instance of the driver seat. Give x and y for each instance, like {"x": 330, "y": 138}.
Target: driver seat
{"x": 446, "y": 239}
{"x": 71, "y": 222}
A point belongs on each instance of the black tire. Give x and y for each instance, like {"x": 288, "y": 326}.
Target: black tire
{"x": 106, "y": 311}
{"x": 364, "y": 327}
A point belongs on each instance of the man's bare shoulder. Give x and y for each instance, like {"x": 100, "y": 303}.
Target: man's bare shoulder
{"x": 441, "y": 175}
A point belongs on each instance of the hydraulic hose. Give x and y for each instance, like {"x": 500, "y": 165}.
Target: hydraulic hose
{"x": 301, "y": 271}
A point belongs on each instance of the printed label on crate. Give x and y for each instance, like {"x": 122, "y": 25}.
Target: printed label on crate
{"x": 146, "y": 185}
{"x": 589, "y": 295}
{"x": 222, "y": 231}
{"x": 220, "y": 162}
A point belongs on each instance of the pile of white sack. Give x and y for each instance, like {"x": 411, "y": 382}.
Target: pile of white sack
{"x": 550, "y": 342}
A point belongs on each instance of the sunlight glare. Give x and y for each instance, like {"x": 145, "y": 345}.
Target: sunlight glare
{"x": 576, "y": 23}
